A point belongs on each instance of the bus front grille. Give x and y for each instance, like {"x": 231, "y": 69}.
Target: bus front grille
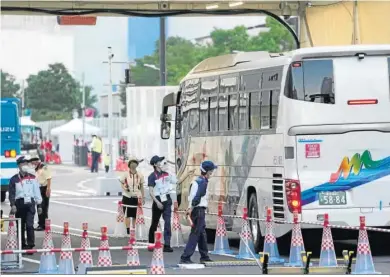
{"x": 278, "y": 196}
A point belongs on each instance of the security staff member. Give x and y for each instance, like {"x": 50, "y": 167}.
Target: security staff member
{"x": 43, "y": 175}
{"x": 198, "y": 205}
{"x": 160, "y": 186}
{"x": 24, "y": 194}
{"x": 96, "y": 152}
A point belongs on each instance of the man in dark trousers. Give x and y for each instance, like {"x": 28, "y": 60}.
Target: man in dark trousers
{"x": 197, "y": 209}
{"x": 43, "y": 175}
{"x": 24, "y": 194}
{"x": 160, "y": 187}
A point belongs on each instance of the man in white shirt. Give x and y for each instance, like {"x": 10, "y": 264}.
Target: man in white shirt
{"x": 197, "y": 209}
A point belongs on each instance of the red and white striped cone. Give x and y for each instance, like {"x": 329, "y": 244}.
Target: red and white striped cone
{"x": 48, "y": 263}
{"x": 132, "y": 254}
{"x": 104, "y": 258}
{"x": 297, "y": 245}
{"x": 246, "y": 240}
{"x": 157, "y": 265}
{"x": 364, "y": 263}
{"x": 159, "y": 229}
{"x": 221, "y": 244}
{"x": 177, "y": 234}
{"x": 140, "y": 227}
{"x": 66, "y": 266}
{"x": 328, "y": 254}
{"x": 85, "y": 259}
{"x": 12, "y": 243}
{"x": 120, "y": 227}
{"x": 270, "y": 243}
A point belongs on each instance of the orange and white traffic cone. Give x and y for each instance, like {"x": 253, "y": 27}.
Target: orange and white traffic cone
{"x": 120, "y": 228}
{"x": 177, "y": 235}
{"x": 85, "y": 259}
{"x": 66, "y": 266}
{"x": 157, "y": 265}
{"x": 270, "y": 243}
{"x": 297, "y": 245}
{"x": 48, "y": 263}
{"x": 140, "y": 227}
{"x": 104, "y": 258}
{"x": 328, "y": 254}
{"x": 246, "y": 240}
{"x": 12, "y": 243}
{"x": 132, "y": 254}
{"x": 221, "y": 244}
{"x": 364, "y": 263}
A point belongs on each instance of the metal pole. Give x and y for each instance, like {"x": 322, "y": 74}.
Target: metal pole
{"x": 163, "y": 65}
{"x": 22, "y": 92}
{"x": 110, "y": 56}
{"x": 83, "y": 105}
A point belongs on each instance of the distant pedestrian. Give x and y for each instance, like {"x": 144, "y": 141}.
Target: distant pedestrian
{"x": 107, "y": 162}
{"x": 96, "y": 148}
{"x": 24, "y": 194}
{"x": 198, "y": 200}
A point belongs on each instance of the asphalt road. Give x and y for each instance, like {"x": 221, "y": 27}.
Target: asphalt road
{"x": 77, "y": 204}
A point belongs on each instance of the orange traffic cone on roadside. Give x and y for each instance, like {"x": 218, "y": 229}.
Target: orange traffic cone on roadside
{"x": 85, "y": 259}
{"x": 66, "y": 266}
{"x": 104, "y": 258}
{"x": 157, "y": 265}
{"x": 140, "y": 227}
{"x": 120, "y": 228}
{"x": 11, "y": 244}
{"x": 48, "y": 264}
{"x": 221, "y": 244}
{"x": 177, "y": 234}
{"x": 364, "y": 263}
{"x": 132, "y": 254}
{"x": 297, "y": 245}
{"x": 270, "y": 243}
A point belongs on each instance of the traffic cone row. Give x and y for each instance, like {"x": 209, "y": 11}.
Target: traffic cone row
{"x": 66, "y": 266}
{"x": 104, "y": 258}
{"x": 120, "y": 228}
{"x": 11, "y": 244}
{"x": 132, "y": 254}
{"x": 221, "y": 244}
{"x": 85, "y": 259}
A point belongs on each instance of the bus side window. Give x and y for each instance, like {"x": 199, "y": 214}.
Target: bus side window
{"x": 243, "y": 111}
{"x": 255, "y": 113}
{"x": 265, "y": 109}
{"x": 222, "y": 112}
{"x": 275, "y": 94}
{"x": 233, "y": 112}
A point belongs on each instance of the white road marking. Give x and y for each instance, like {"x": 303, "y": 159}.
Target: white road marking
{"x": 31, "y": 260}
{"x": 81, "y": 183}
{"x": 54, "y": 194}
{"x": 74, "y": 193}
{"x": 90, "y": 198}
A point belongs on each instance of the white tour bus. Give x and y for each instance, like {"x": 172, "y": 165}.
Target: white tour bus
{"x": 307, "y": 130}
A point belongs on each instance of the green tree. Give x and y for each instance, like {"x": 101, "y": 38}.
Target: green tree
{"x": 52, "y": 93}
{"x": 9, "y": 87}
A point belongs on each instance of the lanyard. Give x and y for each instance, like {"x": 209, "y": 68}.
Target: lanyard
{"x": 134, "y": 177}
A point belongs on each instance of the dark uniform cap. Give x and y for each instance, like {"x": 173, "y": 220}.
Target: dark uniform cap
{"x": 156, "y": 159}
{"x": 21, "y": 160}
{"x": 207, "y": 166}
{"x": 34, "y": 159}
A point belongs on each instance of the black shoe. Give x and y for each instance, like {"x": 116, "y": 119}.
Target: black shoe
{"x": 186, "y": 261}
{"x": 205, "y": 260}
{"x": 25, "y": 246}
{"x": 167, "y": 248}
{"x": 40, "y": 228}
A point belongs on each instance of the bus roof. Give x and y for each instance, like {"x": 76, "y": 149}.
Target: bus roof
{"x": 242, "y": 61}
{"x": 9, "y": 100}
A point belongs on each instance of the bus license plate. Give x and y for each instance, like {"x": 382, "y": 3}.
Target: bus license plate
{"x": 330, "y": 198}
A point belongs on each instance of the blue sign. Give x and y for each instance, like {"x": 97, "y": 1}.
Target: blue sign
{"x": 113, "y": 88}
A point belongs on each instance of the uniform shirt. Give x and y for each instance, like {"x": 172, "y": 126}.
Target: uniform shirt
{"x": 198, "y": 194}
{"x": 162, "y": 183}
{"x": 135, "y": 183}
{"x": 96, "y": 145}
{"x": 43, "y": 174}
{"x": 25, "y": 187}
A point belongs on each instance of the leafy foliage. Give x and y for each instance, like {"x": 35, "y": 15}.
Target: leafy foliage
{"x": 9, "y": 87}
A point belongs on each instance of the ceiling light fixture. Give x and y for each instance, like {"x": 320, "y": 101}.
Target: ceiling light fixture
{"x": 235, "y": 4}
{"x": 211, "y": 7}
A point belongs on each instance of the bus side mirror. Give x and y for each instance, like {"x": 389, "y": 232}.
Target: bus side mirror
{"x": 165, "y": 130}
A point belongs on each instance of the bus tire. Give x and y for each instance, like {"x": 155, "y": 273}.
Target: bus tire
{"x": 253, "y": 212}
{"x": 3, "y": 195}
{"x": 210, "y": 233}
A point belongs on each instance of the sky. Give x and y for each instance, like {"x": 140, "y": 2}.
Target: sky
{"x": 31, "y": 43}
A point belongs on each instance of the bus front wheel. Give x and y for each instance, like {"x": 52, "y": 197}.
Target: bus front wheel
{"x": 253, "y": 212}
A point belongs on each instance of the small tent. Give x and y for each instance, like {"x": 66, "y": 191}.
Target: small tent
{"x": 66, "y": 133}
{"x": 26, "y": 121}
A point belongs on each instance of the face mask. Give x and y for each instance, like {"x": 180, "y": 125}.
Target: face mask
{"x": 24, "y": 168}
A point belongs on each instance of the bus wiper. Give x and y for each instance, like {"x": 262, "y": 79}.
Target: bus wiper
{"x": 328, "y": 98}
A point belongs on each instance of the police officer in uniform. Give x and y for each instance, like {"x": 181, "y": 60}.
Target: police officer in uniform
{"x": 197, "y": 209}
{"x": 24, "y": 194}
{"x": 43, "y": 175}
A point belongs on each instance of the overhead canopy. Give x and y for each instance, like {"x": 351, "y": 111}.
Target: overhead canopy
{"x": 75, "y": 127}
{"x": 26, "y": 121}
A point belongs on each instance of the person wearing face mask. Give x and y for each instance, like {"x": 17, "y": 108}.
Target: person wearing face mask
{"x": 198, "y": 199}
{"x": 133, "y": 187}
{"x": 43, "y": 175}
{"x": 24, "y": 194}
